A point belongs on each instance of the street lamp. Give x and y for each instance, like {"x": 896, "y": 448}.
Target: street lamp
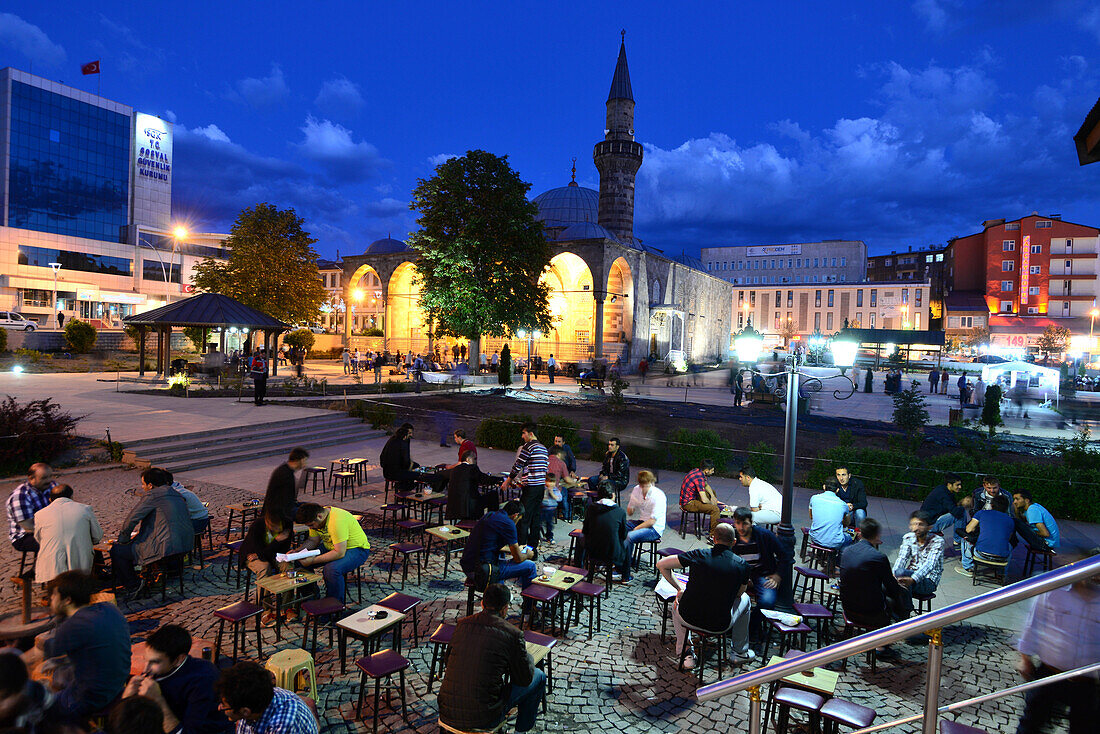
{"x": 844, "y": 348}
{"x": 179, "y": 233}
{"x": 530, "y": 336}
{"x": 55, "y": 267}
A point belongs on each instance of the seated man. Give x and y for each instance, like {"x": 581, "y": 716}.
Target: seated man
{"x": 850, "y": 489}
{"x": 247, "y": 695}
{"x": 345, "y": 544}
{"x": 200, "y": 515}
{"x": 765, "y": 501}
{"x": 567, "y": 480}
{"x": 947, "y": 511}
{"x": 994, "y": 530}
{"x": 135, "y": 715}
{"x": 919, "y": 565}
{"x": 96, "y": 640}
{"x": 615, "y": 469}
{"x": 650, "y": 503}
{"x": 827, "y": 513}
{"x": 463, "y": 483}
{"x": 869, "y": 593}
{"x": 182, "y": 686}
{"x": 696, "y": 494}
{"x": 65, "y": 531}
{"x": 765, "y": 556}
{"x": 396, "y": 460}
{"x": 24, "y": 703}
{"x": 715, "y": 598}
{"x": 1036, "y": 521}
{"x": 496, "y": 530}
{"x": 27, "y": 499}
{"x": 604, "y": 531}
{"x": 267, "y": 536}
{"x": 485, "y": 651}
{"x": 982, "y": 498}
{"x": 163, "y": 528}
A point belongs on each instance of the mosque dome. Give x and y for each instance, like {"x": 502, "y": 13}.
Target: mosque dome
{"x": 386, "y": 246}
{"x": 585, "y": 231}
{"x": 568, "y": 205}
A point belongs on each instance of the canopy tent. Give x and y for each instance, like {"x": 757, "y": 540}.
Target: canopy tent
{"x": 1043, "y": 380}
{"x": 205, "y": 311}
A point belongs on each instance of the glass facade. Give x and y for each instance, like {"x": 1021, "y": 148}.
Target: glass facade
{"x": 152, "y": 269}
{"x": 69, "y": 163}
{"x": 82, "y": 261}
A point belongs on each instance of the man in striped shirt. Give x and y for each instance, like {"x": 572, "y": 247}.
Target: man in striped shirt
{"x": 529, "y": 473}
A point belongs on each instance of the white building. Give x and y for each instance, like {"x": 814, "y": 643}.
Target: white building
{"x": 828, "y": 261}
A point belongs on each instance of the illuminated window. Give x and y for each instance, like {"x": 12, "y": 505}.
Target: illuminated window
{"x": 1036, "y": 269}
{"x": 1032, "y": 310}
{"x": 1007, "y": 285}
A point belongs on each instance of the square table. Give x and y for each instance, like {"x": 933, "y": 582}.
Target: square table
{"x": 822, "y": 681}
{"x": 419, "y": 501}
{"x": 563, "y": 581}
{"x": 279, "y": 584}
{"x": 448, "y": 534}
{"x": 248, "y": 511}
{"x": 539, "y": 647}
{"x": 362, "y": 627}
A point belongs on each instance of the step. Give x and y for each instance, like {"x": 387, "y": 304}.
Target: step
{"x": 208, "y": 460}
{"x": 302, "y": 435}
{"x": 199, "y": 437}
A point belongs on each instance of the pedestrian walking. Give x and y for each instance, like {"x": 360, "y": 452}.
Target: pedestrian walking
{"x": 257, "y": 370}
{"x": 551, "y": 367}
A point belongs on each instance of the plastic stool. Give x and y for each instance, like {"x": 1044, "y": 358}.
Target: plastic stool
{"x": 287, "y": 664}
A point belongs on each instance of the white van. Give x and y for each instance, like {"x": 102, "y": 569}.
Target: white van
{"x": 13, "y": 320}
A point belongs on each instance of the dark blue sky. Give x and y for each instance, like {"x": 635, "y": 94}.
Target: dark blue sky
{"x": 899, "y": 123}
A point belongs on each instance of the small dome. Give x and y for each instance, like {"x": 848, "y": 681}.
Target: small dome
{"x": 386, "y": 246}
{"x": 567, "y": 205}
{"x": 585, "y": 231}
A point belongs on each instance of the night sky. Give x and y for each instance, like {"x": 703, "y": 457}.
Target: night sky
{"x": 899, "y": 123}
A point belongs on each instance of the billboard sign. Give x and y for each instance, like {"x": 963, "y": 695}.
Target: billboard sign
{"x": 772, "y": 250}
{"x": 1025, "y": 268}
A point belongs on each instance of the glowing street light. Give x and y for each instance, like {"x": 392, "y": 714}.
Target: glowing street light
{"x": 748, "y": 344}
{"x": 55, "y": 267}
{"x": 530, "y": 336}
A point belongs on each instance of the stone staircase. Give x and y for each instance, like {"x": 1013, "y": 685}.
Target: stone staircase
{"x": 227, "y": 446}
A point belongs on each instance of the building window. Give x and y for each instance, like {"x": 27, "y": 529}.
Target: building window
{"x": 920, "y": 292}
{"x": 1011, "y": 226}
{"x": 789, "y": 319}
{"x": 1008, "y": 246}
{"x": 740, "y": 298}
{"x": 871, "y": 319}
{"x": 887, "y": 262}
{"x": 834, "y": 262}
{"x": 816, "y": 263}
{"x": 1033, "y": 290}
{"x": 905, "y": 295}
{"x": 817, "y": 299}
{"x": 1036, "y": 249}
{"x": 830, "y": 299}
{"x": 1007, "y": 266}
{"x": 916, "y": 320}
{"x": 1069, "y": 266}
{"x": 817, "y": 321}
{"x": 829, "y": 321}
{"x": 843, "y": 262}
{"x": 939, "y": 257}
{"x": 1035, "y": 269}
{"x": 752, "y": 299}
{"x": 1032, "y": 310}
{"x": 1006, "y": 306}
{"x": 1069, "y": 245}
{"x": 859, "y": 298}
{"x": 1006, "y": 285}
{"x": 778, "y": 298}
{"x": 799, "y": 261}
{"x": 874, "y": 297}
{"x": 790, "y": 299}
{"x": 1043, "y": 224}
{"x": 859, "y": 319}
{"x": 153, "y": 270}
{"x": 85, "y": 262}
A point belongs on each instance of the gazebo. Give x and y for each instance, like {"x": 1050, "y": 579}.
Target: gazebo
{"x": 204, "y": 311}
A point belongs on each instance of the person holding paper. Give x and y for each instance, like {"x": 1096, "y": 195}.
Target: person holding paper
{"x": 344, "y": 542}
{"x": 266, "y": 537}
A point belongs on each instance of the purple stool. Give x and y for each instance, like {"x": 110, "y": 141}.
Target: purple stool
{"x": 788, "y": 697}
{"x": 376, "y": 667}
{"x": 410, "y": 527}
{"x": 813, "y": 582}
{"x": 466, "y": 525}
{"x": 838, "y": 712}
{"x": 404, "y": 604}
{"x": 822, "y": 617}
{"x": 545, "y": 596}
{"x": 237, "y": 614}
{"x": 851, "y": 629}
{"x": 406, "y": 550}
{"x": 787, "y": 633}
{"x": 574, "y": 538}
{"x": 547, "y": 662}
{"x": 666, "y": 552}
{"x": 954, "y": 727}
{"x": 392, "y": 511}
{"x": 581, "y": 594}
{"x": 312, "y": 611}
{"x": 440, "y": 639}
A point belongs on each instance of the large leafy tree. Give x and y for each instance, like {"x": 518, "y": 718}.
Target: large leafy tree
{"x": 481, "y": 250}
{"x": 1053, "y": 340}
{"x": 272, "y": 266}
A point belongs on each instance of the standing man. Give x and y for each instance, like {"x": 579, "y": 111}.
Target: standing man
{"x": 346, "y": 358}
{"x": 765, "y": 501}
{"x": 765, "y": 555}
{"x": 345, "y": 544}
{"x": 257, "y": 370}
{"x": 465, "y": 445}
{"x": 248, "y": 696}
{"x": 485, "y": 651}
{"x": 163, "y": 527}
{"x": 933, "y": 380}
{"x": 494, "y": 361}
{"x": 27, "y": 499}
{"x": 551, "y": 367}
{"x": 944, "y": 377}
{"x": 1037, "y": 519}
{"x": 615, "y": 469}
{"x": 643, "y": 367}
{"x": 650, "y": 503}
{"x": 715, "y": 598}
{"x": 282, "y": 486}
{"x": 529, "y": 472}
{"x": 869, "y": 592}
{"x": 65, "y": 532}
{"x": 1061, "y": 633}
{"x": 569, "y": 459}
{"x": 850, "y": 489}
{"x": 919, "y": 565}
{"x": 947, "y": 511}
{"x": 696, "y": 495}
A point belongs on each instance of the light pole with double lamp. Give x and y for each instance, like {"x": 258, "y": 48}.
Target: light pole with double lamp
{"x": 748, "y": 344}
{"x": 55, "y": 267}
{"x": 530, "y": 336}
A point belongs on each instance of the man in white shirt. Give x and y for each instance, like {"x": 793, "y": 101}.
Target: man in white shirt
{"x": 551, "y": 367}
{"x": 765, "y": 501}
{"x": 65, "y": 531}
{"x": 200, "y": 515}
{"x": 650, "y": 503}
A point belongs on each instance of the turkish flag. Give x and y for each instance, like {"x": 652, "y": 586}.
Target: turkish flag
{"x": 90, "y": 68}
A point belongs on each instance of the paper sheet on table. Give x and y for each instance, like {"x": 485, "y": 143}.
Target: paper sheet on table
{"x": 788, "y": 619}
{"x": 664, "y": 589}
{"x": 289, "y": 557}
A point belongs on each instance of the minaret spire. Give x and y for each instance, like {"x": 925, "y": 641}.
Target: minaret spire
{"x": 574, "y": 181}
{"x": 618, "y": 156}
{"x": 620, "y": 82}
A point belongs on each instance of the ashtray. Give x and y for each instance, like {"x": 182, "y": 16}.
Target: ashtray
{"x": 377, "y": 615}
{"x": 568, "y": 579}
{"x": 456, "y": 531}
{"x": 543, "y": 578}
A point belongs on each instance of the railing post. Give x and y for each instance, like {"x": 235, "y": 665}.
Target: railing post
{"x": 754, "y": 710}
{"x": 932, "y": 689}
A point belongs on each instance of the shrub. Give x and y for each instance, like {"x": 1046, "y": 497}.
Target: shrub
{"x": 689, "y": 448}
{"x": 379, "y": 415}
{"x": 501, "y": 432}
{"x": 30, "y": 432}
{"x": 761, "y": 457}
{"x": 375, "y": 331}
{"x": 387, "y": 386}
{"x": 3, "y": 340}
{"x": 195, "y": 334}
{"x": 300, "y": 339}
{"x": 552, "y": 425}
{"x": 29, "y": 355}
{"x": 991, "y": 410}
{"x": 80, "y": 336}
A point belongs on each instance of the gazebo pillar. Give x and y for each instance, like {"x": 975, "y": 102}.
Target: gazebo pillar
{"x": 167, "y": 349}
{"x": 141, "y": 350}
{"x": 274, "y": 359}
{"x": 160, "y": 351}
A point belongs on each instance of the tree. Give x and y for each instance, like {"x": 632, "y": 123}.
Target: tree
{"x": 991, "y": 409}
{"x": 80, "y": 336}
{"x": 300, "y": 339}
{"x": 272, "y": 266}
{"x": 788, "y": 331}
{"x": 1053, "y": 340}
{"x": 911, "y": 413}
{"x": 481, "y": 251}
{"x": 978, "y": 336}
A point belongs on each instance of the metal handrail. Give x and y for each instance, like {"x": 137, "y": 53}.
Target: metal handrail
{"x": 896, "y": 632}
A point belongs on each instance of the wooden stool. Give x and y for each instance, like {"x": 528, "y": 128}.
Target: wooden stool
{"x": 312, "y": 472}
{"x": 786, "y": 633}
{"x": 404, "y": 604}
{"x": 287, "y": 664}
{"x": 440, "y": 639}
{"x": 851, "y": 629}
{"x": 924, "y": 602}
{"x": 696, "y": 517}
{"x": 581, "y": 594}
{"x": 160, "y": 569}
{"x": 435, "y": 505}
{"x": 1044, "y": 558}
{"x": 237, "y": 614}
{"x": 996, "y": 570}
{"x": 358, "y": 467}
{"x": 312, "y": 611}
{"x": 546, "y": 597}
{"x": 648, "y": 547}
{"x": 338, "y": 465}
{"x": 197, "y": 548}
{"x": 471, "y": 592}
{"x": 392, "y": 511}
{"x": 406, "y": 550}
{"x": 805, "y": 545}
{"x": 837, "y": 712}
{"x": 700, "y": 659}
{"x": 411, "y": 528}
{"x": 813, "y": 582}
{"x": 344, "y": 482}
{"x": 821, "y": 615}
{"x": 391, "y": 486}
{"x": 234, "y": 549}
{"x": 823, "y": 558}
{"x": 789, "y": 697}
{"x": 596, "y": 565}
{"x": 378, "y": 666}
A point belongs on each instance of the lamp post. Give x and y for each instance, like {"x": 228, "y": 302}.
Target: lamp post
{"x": 178, "y": 233}
{"x": 53, "y": 304}
{"x": 530, "y": 336}
{"x": 844, "y": 347}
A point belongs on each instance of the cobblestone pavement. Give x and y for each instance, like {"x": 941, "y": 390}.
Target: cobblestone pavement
{"x": 624, "y": 679}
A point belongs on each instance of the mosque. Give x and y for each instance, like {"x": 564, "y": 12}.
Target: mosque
{"x": 610, "y": 295}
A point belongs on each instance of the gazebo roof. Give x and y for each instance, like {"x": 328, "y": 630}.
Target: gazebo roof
{"x": 206, "y": 309}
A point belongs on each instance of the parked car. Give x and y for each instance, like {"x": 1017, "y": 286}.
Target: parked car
{"x": 13, "y": 320}
{"x": 990, "y": 359}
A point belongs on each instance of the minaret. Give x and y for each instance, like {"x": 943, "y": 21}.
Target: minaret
{"x": 617, "y": 156}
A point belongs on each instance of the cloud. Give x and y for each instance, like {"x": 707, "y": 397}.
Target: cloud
{"x": 127, "y": 51}
{"x": 264, "y": 92}
{"x": 1090, "y": 21}
{"x": 339, "y": 97}
{"x": 388, "y": 207}
{"x": 330, "y": 145}
{"x": 30, "y": 40}
{"x": 435, "y": 160}
{"x": 946, "y": 150}
{"x": 932, "y": 13}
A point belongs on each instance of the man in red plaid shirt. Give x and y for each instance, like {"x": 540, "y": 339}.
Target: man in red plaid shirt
{"x": 697, "y": 496}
